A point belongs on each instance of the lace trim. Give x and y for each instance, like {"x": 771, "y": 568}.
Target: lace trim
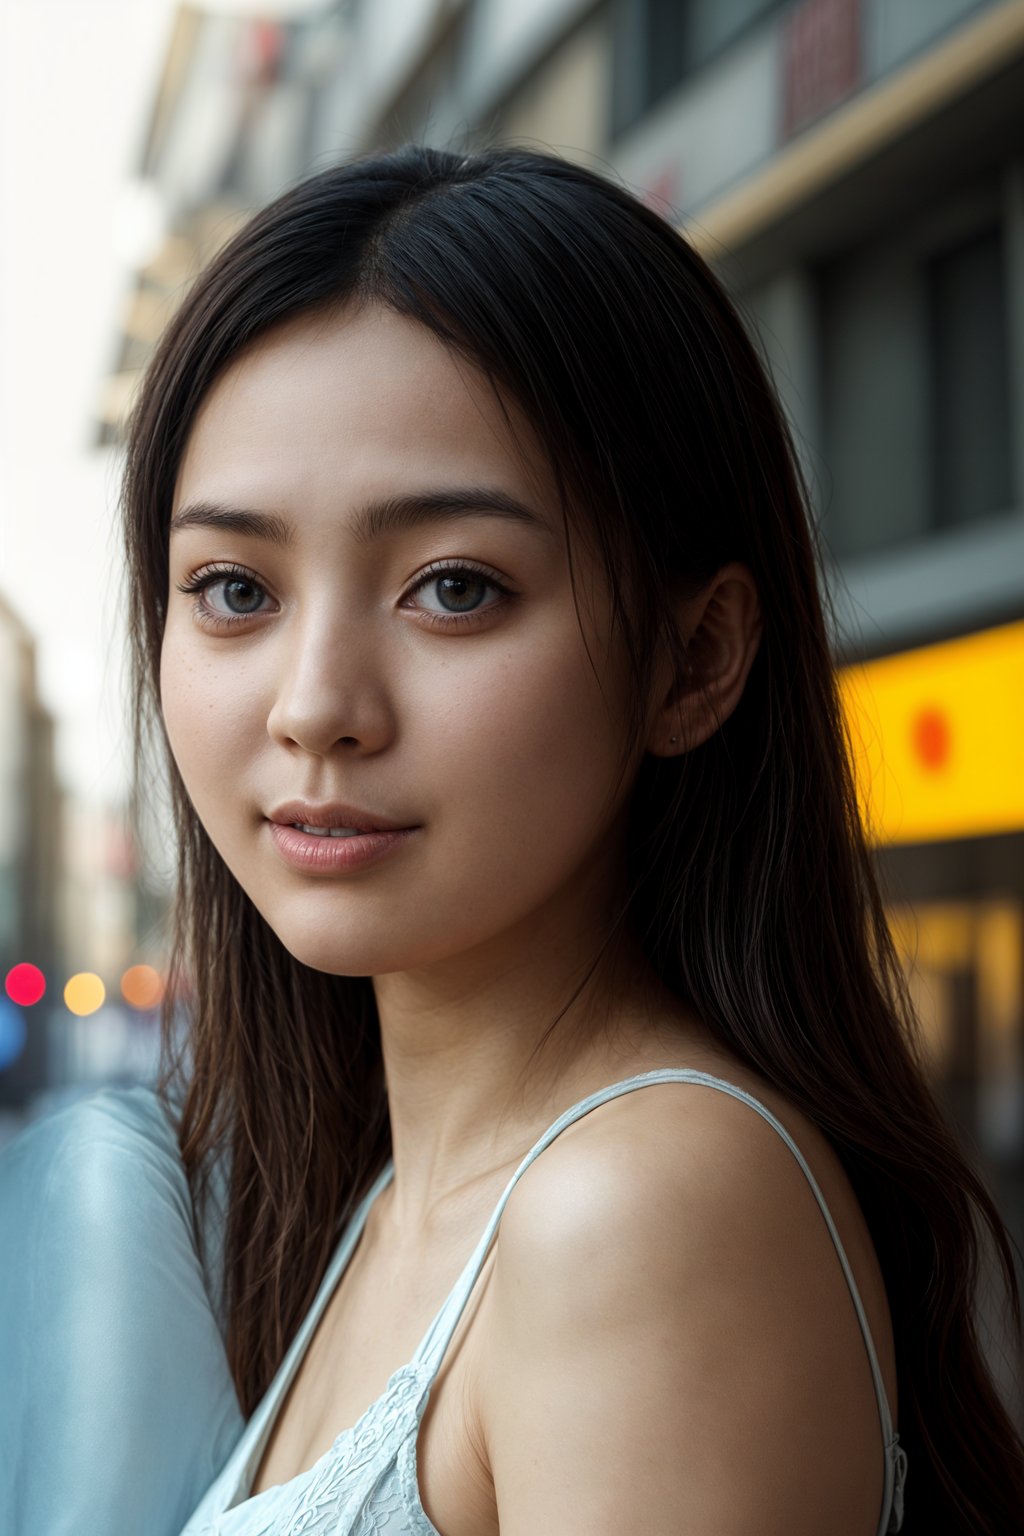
{"x": 386, "y": 1423}
{"x": 408, "y": 1477}
{"x": 899, "y": 1457}
{"x": 337, "y": 1487}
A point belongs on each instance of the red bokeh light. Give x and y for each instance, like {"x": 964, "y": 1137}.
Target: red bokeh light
{"x": 25, "y": 984}
{"x": 931, "y": 736}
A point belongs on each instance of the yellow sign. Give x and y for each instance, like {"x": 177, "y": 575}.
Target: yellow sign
{"x": 937, "y": 736}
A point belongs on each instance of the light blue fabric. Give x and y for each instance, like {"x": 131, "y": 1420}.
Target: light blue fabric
{"x": 366, "y": 1482}
{"x": 117, "y": 1407}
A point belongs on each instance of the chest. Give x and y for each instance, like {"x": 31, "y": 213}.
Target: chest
{"x": 373, "y": 1323}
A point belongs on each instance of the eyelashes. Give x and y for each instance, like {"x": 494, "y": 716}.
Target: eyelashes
{"x": 237, "y": 575}
{"x": 199, "y": 584}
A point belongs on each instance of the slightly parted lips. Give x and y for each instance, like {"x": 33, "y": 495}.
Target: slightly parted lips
{"x": 334, "y": 814}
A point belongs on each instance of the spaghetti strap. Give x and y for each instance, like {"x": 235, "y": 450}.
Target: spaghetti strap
{"x": 436, "y": 1340}
{"x": 242, "y": 1466}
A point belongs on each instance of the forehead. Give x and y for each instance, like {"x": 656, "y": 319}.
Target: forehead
{"x": 350, "y": 404}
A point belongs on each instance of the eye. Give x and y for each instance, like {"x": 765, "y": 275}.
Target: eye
{"x": 456, "y": 581}
{"x": 459, "y": 582}
{"x": 232, "y": 578}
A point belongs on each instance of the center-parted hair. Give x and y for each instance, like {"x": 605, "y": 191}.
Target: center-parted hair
{"x": 751, "y": 883}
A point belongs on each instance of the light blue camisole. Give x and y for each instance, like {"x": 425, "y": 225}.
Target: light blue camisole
{"x": 366, "y": 1482}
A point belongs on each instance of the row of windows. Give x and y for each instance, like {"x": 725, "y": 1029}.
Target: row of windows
{"x": 657, "y": 43}
{"x": 913, "y": 377}
{"x": 915, "y": 392}
{"x": 910, "y": 426}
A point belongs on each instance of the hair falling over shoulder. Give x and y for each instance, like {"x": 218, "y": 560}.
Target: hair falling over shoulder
{"x": 753, "y": 887}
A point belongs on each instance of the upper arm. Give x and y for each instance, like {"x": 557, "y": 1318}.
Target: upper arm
{"x": 674, "y": 1346}
{"x": 118, "y": 1406}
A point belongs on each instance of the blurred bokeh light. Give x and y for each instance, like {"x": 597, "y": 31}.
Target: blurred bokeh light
{"x": 25, "y": 984}
{"x": 84, "y": 993}
{"x": 12, "y": 1033}
{"x": 142, "y": 986}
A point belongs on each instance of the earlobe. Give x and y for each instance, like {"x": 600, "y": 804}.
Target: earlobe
{"x": 722, "y": 628}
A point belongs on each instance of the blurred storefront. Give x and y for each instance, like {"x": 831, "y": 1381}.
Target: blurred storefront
{"x": 937, "y": 737}
{"x": 854, "y": 170}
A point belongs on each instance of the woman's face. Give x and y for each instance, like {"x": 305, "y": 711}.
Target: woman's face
{"x": 326, "y": 671}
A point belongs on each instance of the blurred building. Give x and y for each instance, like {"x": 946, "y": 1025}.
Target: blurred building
{"x": 31, "y": 813}
{"x": 854, "y": 170}
{"x": 69, "y": 903}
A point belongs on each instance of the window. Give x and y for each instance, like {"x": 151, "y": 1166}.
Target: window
{"x": 657, "y": 43}
{"x": 915, "y": 370}
{"x": 970, "y": 381}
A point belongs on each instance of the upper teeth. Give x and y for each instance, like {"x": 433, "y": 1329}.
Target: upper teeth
{"x": 329, "y": 831}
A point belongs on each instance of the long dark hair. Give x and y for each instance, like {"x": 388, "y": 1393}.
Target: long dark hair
{"x": 752, "y": 886}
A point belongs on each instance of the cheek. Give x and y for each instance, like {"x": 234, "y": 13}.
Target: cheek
{"x": 204, "y": 716}
{"x": 518, "y": 762}
{"x": 530, "y": 744}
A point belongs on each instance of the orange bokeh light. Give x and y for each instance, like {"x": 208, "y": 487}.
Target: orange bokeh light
{"x": 142, "y": 986}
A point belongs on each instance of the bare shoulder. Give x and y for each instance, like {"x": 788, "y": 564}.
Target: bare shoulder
{"x": 667, "y": 1297}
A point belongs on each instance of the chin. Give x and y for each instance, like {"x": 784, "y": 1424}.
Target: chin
{"x": 337, "y": 950}
{"x": 335, "y": 953}
{"x": 378, "y": 950}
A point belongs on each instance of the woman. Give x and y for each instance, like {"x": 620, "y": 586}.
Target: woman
{"x": 544, "y": 1006}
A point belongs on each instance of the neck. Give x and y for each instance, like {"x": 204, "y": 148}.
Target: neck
{"x": 473, "y": 1076}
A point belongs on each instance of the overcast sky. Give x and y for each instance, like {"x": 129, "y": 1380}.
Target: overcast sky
{"x": 76, "y": 82}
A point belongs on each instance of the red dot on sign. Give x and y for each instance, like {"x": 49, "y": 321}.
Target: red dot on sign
{"x": 931, "y": 738}
{"x": 25, "y": 984}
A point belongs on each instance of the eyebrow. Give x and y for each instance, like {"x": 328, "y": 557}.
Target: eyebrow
{"x": 393, "y": 514}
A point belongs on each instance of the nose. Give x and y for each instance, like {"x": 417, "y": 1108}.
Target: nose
{"x": 328, "y": 690}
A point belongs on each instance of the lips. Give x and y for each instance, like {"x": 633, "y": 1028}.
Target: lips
{"x": 334, "y": 813}
{"x": 311, "y": 853}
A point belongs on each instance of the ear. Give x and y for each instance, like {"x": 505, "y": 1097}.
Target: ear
{"x": 722, "y": 628}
